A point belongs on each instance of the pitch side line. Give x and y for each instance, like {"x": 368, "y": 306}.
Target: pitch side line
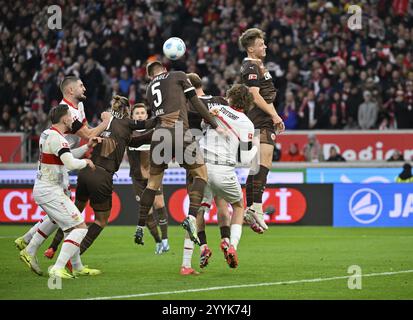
{"x": 148, "y": 294}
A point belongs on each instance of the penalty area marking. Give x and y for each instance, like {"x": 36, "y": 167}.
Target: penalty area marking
{"x": 264, "y": 284}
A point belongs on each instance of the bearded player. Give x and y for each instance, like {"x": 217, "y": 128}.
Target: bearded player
{"x": 73, "y": 91}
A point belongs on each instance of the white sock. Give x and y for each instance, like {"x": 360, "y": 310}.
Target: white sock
{"x": 29, "y": 234}
{"x": 236, "y": 231}
{"x": 46, "y": 227}
{"x": 70, "y": 246}
{"x": 188, "y": 251}
{"x": 76, "y": 261}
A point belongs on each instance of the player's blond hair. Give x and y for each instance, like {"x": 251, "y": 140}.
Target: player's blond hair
{"x": 240, "y": 97}
{"x": 247, "y": 39}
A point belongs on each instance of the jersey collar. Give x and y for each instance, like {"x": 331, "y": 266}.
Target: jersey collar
{"x": 55, "y": 129}
{"x": 69, "y": 103}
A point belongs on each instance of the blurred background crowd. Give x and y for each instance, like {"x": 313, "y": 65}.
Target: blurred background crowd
{"x": 327, "y": 76}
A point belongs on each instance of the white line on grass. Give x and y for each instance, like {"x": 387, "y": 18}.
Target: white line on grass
{"x": 247, "y": 285}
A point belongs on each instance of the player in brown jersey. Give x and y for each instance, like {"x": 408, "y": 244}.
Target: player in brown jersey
{"x": 139, "y": 172}
{"x": 167, "y": 94}
{"x": 97, "y": 186}
{"x": 264, "y": 117}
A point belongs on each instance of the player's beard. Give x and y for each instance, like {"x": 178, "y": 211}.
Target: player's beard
{"x": 81, "y": 97}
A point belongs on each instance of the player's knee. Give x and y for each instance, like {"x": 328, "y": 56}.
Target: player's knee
{"x": 158, "y": 203}
{"x": 102, "y": 218}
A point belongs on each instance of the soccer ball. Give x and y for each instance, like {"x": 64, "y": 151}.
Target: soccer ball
{"x": 174, "y": 48}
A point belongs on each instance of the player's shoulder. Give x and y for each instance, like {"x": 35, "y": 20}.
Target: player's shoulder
{"x": 250, "y": 65}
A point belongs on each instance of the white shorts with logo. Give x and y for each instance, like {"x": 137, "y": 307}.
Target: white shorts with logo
{"x": 222, "y": 182}
{"x": 60, "y": 208}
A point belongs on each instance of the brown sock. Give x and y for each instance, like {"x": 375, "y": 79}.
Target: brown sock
{"x": 202, "y": 237}
{"x": 58, "y": 237}
{"x": 260, "y": 180}
{"x": 92, "y": 233}
{"x": 196, "y": 194}
{"x": 163, "y": 221}
{"x": 147, "y": 198}
{"x": 225, "y": 232}
{"x": 249, "y": 190}
{"x": 153, "y": 227}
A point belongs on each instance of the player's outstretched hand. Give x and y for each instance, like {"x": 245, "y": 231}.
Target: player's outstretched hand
{"x": 94, "y": 141}
{"x": 105, "y": 116}
{"x": 90, "y": 164}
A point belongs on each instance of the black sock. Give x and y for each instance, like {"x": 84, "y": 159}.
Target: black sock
{"x": 92, "y": 233}
{"x": 260, "y": 180}
{"x": 196, "y": 194}
{"x": 163, "y": 221}
{"x": 202, "y": 237}
{"x": 147, "y": 198}
{"x": 58, "y": 237}
{"x": 153, "y": 227}
{"x": 225, "y": 232}
{"x": 249, "y": 190}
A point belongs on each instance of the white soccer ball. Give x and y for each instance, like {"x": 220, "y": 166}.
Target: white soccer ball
{"x": 174, "y": 48}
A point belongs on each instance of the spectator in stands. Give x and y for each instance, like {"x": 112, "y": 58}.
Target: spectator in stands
{"x": 293, "y": 154}
{"x": 313, "y": 151}
{"x": 367, "y": 113}
{"x": 310, "y": 112}
{"x": 406, "y": 174}
{"x": 289, "y": 112}
{"x": 396, "y": 156}
{"x": 403, "y": 111}
{"x": 334, "y": 155}
{"x": 310, "y": 52}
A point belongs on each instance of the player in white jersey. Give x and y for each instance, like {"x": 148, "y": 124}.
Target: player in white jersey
{"x": 221, "y": 154}
{"x": 73, "y": 92}
{"x": 50, "y": 192}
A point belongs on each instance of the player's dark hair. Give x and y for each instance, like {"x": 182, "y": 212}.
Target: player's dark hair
{"x": 152, "y": 67}
{"x": 66, "y": 81}
{"x": 56, "y": 113}
{"x": 195, "y": 80}
{"x": 247, "y": 39}
{"x": 240, "y": 97}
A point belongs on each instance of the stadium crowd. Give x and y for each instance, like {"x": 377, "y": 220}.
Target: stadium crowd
{"x": 327, "y": 76}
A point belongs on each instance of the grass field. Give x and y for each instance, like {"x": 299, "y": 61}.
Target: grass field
{"x": 284, "y": 263}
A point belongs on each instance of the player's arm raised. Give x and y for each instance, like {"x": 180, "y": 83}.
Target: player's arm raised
{"x": 85, "y": 132}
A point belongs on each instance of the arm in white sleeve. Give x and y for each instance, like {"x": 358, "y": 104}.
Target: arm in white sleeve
{"x": 72, "y": 163}
{"x": 79, "y": 152}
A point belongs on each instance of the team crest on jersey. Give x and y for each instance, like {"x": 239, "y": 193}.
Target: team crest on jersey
{"x": 65, "y": 145}
{"x": 252, "y": 77}
{"x": 249, "y": 136}
{"x": 273, "y": 136}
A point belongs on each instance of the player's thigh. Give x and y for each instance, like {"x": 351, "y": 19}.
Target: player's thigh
{"x": 266, "y": 155}
{"x": 64, "y": 212}
{"x": 101, "y": 188}
{"x": 83, "y": 179}
{"x": 226, "y": 186}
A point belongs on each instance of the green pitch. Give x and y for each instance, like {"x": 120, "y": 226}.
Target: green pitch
{"x": 283, "y": 263}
